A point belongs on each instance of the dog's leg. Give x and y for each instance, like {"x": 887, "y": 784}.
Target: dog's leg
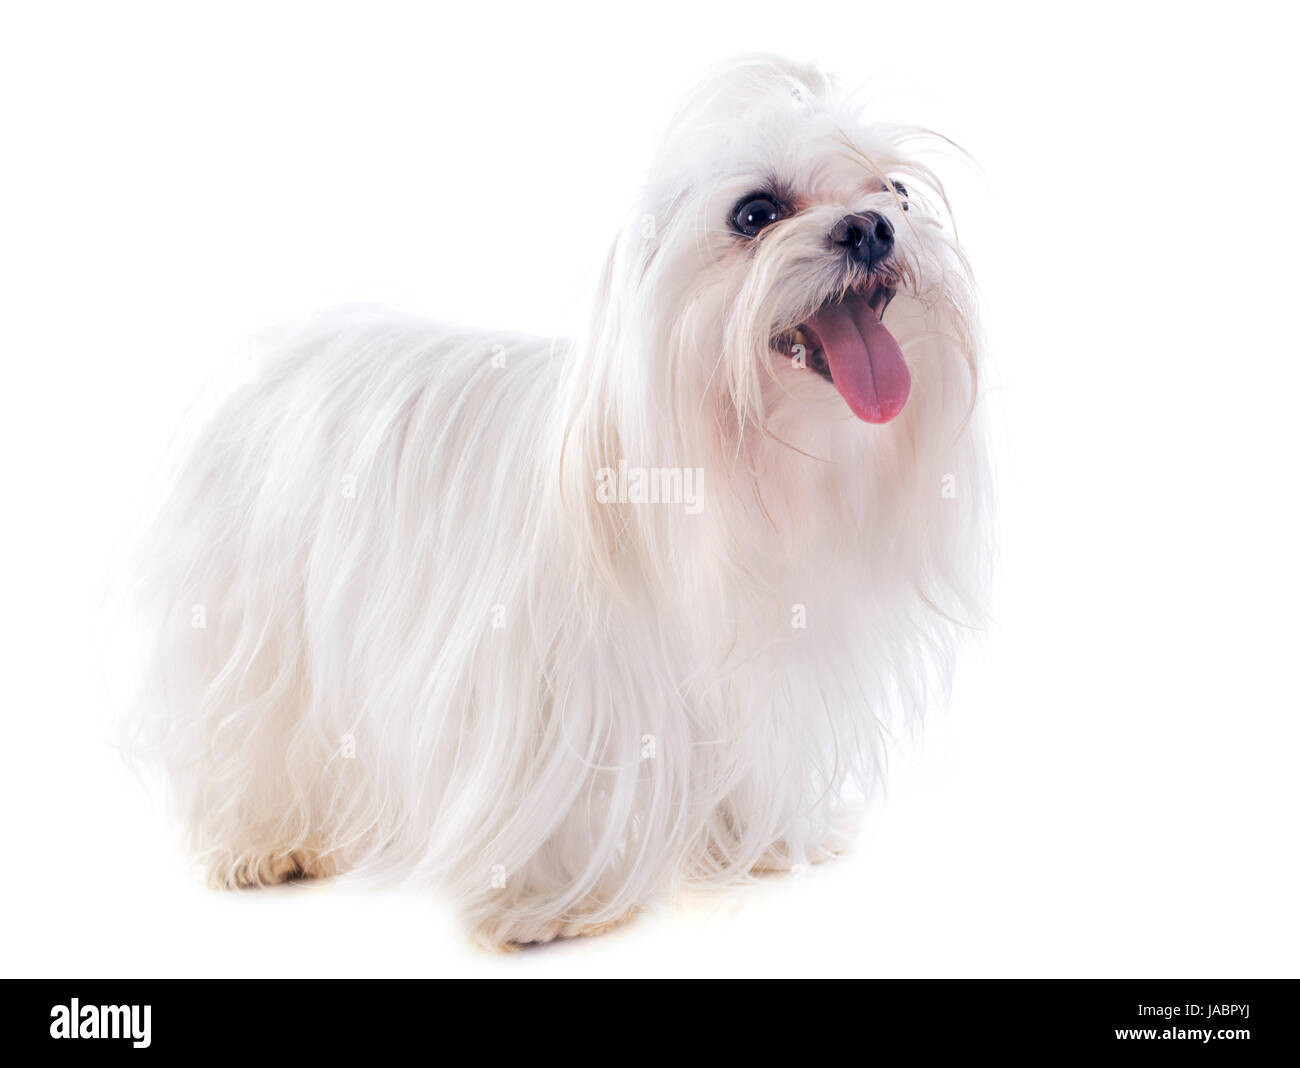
{"x": 542, "y": 904}
{"x": 264, "y": 866}
{"x": 788, "y": 855}
{"x": 512, "y": 934}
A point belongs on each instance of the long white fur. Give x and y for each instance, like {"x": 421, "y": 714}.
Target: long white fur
{"x": 395, "y": 632}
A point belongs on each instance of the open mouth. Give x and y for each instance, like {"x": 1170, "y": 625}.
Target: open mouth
{"x": 846, "y": 343}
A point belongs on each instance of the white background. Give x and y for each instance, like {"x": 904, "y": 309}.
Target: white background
{"x": 1113, "y": 791}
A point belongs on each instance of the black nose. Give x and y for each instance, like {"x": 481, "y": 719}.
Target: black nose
{"x": 868, "y": 238}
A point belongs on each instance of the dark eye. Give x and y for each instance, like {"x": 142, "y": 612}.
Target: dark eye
{"x": 754, "y": 213}
{"x": 901, "y": 190}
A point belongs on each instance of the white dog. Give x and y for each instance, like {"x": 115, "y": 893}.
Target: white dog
{"x": 558, "y": 626}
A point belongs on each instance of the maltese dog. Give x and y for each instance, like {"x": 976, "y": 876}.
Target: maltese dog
{"x": 557, "y": 627}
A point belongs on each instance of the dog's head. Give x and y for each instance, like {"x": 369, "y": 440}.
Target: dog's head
{"x": 785, "y": 249}
{"x": 787, "y": 311}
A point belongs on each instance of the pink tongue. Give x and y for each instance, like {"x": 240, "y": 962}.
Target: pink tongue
{"x": 866, "y": 363}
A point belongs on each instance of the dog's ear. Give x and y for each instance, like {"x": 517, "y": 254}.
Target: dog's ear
{"x": 591, "y": 445}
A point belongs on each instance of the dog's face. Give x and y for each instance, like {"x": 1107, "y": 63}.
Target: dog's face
{"x": 783, "y": 231}
{"x": 838, "y": 238}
